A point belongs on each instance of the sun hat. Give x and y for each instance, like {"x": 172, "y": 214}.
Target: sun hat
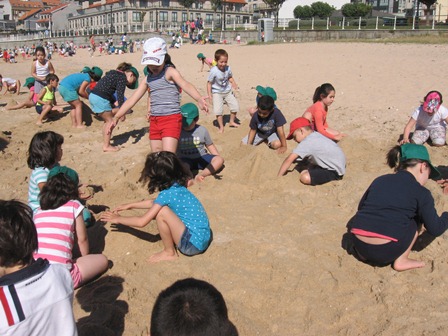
{"x": 432, "y": 102}
{"x": 412, "y": 151}
{"x": 296, "y": 124}
{"x": 135, "y": 84}
{"x": 70, "y": 173}
{"x": 266, "y": 91}
{"x": 28, "y": 81}
{"x": 189, "y": 113}
{"x": 200, "y": 55}
{"x": 154, "y": 51}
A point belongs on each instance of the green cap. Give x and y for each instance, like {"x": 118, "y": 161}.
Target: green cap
{"x": 97, "y": 71}
{"x": 146, "y": 71}
{"x": 135, "y": 84}
{"x": 267, "y": 91}
{"x": 70, "y": 173}
{"x": 412, "y": 151}
{"x": 200, "y": 55}
{"x": 28, "y": 81}
{"x": 189, "y": 113}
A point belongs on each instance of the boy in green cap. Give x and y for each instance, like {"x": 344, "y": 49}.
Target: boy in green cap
{"x": 262, "y": 91}
{"x": 196, "y": 147}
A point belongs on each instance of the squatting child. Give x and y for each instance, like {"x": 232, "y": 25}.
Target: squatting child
{"x": 321, "y": 160}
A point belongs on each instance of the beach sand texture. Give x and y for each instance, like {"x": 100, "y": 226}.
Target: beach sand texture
{"x": 277, "y": 255}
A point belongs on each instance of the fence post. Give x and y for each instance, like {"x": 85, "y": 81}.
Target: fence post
{"x": 376, "y": 25}
{"x": 328, "y": 23}
{"x": 298, "y": 24}
{"x": 359, "y": 26}
{"x": 395, "y": 22}
{"x": 343, "y": 22}
{"x": 433, "y": 18}
{"x": 413, "y": 22}
{"x": 312, "y": 23}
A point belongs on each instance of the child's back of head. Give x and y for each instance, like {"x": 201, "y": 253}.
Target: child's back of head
{"x": 43, "y": 149}
{"x": 191, "y": 307}
{"x": 18, "y": 236}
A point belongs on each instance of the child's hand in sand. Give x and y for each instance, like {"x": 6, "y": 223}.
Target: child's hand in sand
{"x": 281, "y": 150}
{"x": 444, "y": 186}
{"x": 121, "y": 207}
{"x": 111, "y": 217}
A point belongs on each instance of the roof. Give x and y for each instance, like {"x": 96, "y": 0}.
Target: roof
{"x": 29, "y": 14}
{"x": 54, "y": 9}
{"x": 26, "y": 4}
{"x": 243, "y": 2}
{"x": 108, "y": 2}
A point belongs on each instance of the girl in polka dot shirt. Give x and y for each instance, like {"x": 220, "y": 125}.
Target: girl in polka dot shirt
{"x": 181, "y": 219}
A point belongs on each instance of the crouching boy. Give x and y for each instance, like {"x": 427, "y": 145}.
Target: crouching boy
{"x": 320, "y": 160}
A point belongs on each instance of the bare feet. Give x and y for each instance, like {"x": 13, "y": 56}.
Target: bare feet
{"x": 407, "y": 264}
{"x": 39, "y": 123}
{"x": 199, "y": 178}
{"x": 111, "y": 149}
{"x": 234, "y": 124}
{"x": 221, "y": 130}
{"x": 161, "y": 256}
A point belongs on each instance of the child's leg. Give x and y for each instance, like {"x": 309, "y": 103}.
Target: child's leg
{"x": 26, "y": 104}
{"x": 214, "y": 166}
{"x": 76, "y": 113}
{"x": 91, "y": 265}
{"x": 107, "y": 147}
{"x": 169, "y": 144}
{"x": 218, "y": 104}
{"x": 45, "y": 110}
{"x": 438, "y": 136}
{"x": 234, "y": 107}
{"x": 305, "y": 177}
{"x": 220, "y": 123}
{"x": 403, "y": 263}
{"x": 171, "y": 229}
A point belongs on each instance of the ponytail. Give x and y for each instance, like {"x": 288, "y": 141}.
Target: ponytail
{"x": 322, "y": 92}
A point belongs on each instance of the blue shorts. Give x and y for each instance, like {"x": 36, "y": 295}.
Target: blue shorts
{"x": 185, "y": 246}
{"x": 39, "y": 109}
{"x": 99, "y": 104}
{"x": 67, "y": 94}
{"x": 200, "y": 162}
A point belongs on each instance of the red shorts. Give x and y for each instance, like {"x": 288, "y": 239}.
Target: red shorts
{"x": 165, "y": 127}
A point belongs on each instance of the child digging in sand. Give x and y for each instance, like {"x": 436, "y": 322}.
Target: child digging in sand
{"x": 181, "y": 218}
{"x": 32, "y": 97}
{"x": 220, "y": 86}
{"x": 394, "y": 207}
{"x": 196, "y": 147}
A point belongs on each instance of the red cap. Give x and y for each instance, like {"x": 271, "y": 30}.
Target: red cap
{"x": 296, "y": 124}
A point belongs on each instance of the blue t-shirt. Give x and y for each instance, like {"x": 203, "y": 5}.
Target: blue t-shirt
{"x": 74, "y": 81}
{"x": 190, "y": 211}
{"x": 267, "y": 126}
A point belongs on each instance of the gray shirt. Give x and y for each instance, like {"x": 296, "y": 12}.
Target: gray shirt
{"x": 323, "y": 151}
{"x": 193, "y": 144}
{"x": 220, "y": 79}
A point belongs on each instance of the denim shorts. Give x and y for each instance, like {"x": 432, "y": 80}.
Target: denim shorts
{"x": 185, "y": 246}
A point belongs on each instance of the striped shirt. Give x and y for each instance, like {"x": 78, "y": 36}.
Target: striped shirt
{"x": 165, "y": 96}
{"x": 38, "y": 175}
{"x": 55, "y": 232}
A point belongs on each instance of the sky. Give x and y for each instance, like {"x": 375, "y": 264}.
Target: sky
{"x": 286, "y": 11}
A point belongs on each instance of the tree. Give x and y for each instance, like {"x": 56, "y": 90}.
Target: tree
{"x": 303, "y": 12}
{"x": 355, "y": 9}
{"x": 428, "y": 4}
{"x": 322, "y": 9}
{"x": 275, "y": 5}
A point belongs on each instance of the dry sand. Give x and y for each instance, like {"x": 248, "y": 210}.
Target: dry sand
{"x": 277, "y": 255}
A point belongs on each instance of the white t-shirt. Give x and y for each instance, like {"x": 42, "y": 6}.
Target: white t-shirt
{"x": 8, "y": 81}
{"x": 428, "y": 121}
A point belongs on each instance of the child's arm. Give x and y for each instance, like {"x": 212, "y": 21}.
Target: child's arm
{"x": 50, "y": 67}
{"x": 128, "y": 104}
{"x": 282, "y": 137}
{"x": 320, "y": 127}
{"x": 251, "y": 136}
{"x": 212, "y": 149}
{"x": 233, "y": 83}
{"x": 288, "y": 162}
{"x": 148, "y": 113}
{"x": 81, "y": 234}
{"x": 209, "y": 92}
{"x": 407, "y": 130}
{"x": 202, "y": 65}
{"x": 134, "y": 221}
{"x": 145, "y": 204}
{"x": 175, "y": 76}
{"x": 18, "y": 86}
{"x": 83, "y": 89}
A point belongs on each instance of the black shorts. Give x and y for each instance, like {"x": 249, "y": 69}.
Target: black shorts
{"x": 320, "y": 175}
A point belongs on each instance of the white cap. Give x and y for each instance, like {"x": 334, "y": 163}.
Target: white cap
{"x": 154, "y": 51}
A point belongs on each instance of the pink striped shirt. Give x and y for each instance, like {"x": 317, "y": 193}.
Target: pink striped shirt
{"x": 55, "y": 232}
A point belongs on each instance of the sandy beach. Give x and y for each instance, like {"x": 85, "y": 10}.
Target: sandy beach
{"x": 278, "y": 253}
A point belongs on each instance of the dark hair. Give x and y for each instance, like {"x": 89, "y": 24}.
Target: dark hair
{"x": 39, "y": 48}
{"x": 266, "y": 103}
{"x": 43, "y": 149}
{"x": 162, "y": 170}
{"x": 123, "y": 66}
{"x": 191, "y": 307}
{"x": 393, "y": 159}
{"x": 18, "y": 236}
{"x": 322, "y": 91}
{"x": 51, "y": 77}
{"x": 58, "y": 190}
{"x": 167, "y": 62}
{"x": 219, "y": 53}
{"x": 434, "y": 91}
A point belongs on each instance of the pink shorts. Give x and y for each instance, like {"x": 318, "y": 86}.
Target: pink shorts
{"x": 165, "y": 127}
{"x": 76, "y": 276}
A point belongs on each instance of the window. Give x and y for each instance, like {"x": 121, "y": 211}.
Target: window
{"x": 174, "y": 16}
{"x": 184, "y": 16}
{"x": 136, "y": 16}
{"x": 208, "y": 19}
{"x": 163, "y": 16}
{"x": 165, "y": 3}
